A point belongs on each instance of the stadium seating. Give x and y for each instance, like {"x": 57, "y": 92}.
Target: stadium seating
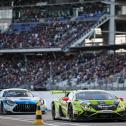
{"x": 43, "y": 35}
{"x": 49, "y": 28}
{"x": 39, "y": 71}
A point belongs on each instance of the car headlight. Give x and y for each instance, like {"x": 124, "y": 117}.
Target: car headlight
{"x": 9, "y": 102}
{"x": 87, "y": 108}
{"x": 86, "y": 105}
{"x": 122, "y": 107}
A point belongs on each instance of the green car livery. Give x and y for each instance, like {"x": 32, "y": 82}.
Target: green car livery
{"x": 89, "y": 104}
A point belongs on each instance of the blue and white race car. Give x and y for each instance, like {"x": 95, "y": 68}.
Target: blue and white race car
{"x": 16, "y": 100}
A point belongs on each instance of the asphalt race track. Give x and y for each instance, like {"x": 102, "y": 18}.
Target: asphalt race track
{"x": 27, "y": 120}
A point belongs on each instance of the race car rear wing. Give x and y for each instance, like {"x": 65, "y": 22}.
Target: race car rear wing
{"x": 64, "y": 91}
{"x": 60, "y": 91}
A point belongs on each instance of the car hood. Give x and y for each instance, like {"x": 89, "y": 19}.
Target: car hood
{"x": 24, "y": 100}
{"x": 100, "y": 102}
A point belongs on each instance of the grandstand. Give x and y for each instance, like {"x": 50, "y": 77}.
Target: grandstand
{"x": 61, "y": 44}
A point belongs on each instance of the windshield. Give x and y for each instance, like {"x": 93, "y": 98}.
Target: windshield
{"x": 17, "y": 93}
{"x": 94, "y": 95}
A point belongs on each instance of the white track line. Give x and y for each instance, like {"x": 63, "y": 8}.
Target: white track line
{"x": 16, "y": 119}
{"x": 23, "y": 120}
{"x": 72, "y": 124}
{"x": 48, "y": 124}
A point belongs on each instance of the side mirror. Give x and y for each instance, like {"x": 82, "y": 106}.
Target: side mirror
{"x": 65, "y": 99}
{"x": 122, "y": 99}
{"x": 42, "y": 101}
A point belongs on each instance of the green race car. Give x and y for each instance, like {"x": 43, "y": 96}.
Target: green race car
{"x": 88, "y": 105}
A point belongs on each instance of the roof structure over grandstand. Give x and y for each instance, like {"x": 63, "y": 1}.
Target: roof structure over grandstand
{"x": 98, "y": 48}
{"x": 40, "y": 2}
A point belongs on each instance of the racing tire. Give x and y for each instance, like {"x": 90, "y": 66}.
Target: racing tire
{"x": 3, "y": 111}
{"x": 71, "y": 115}
{"x": 121, "y": 120}
{"x": 0, "y": 108}
{"x": 53, "y": 112}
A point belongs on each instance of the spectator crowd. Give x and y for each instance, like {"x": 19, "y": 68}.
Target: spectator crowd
{"x": 54, "y": 26}
{"x": 45, "y": 35}
{"x": 38, "y": 71}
